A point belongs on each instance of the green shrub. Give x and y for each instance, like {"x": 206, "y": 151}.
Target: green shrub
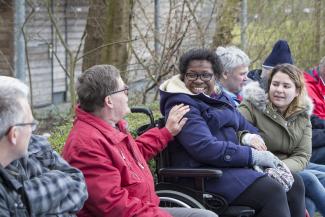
{"x": 136, "y": 120}
{"x": 59, "y": 135}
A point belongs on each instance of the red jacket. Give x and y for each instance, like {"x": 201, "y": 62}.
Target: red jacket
{"x": 316, "y": 91}
{"x": 118, "y": 179}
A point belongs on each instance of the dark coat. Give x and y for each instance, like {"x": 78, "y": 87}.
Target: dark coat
{"x": 318, "y": 125}
{"x": 255, "y": 75}
{"x": 210, "y": 138}
{"x": 11, "y": 201}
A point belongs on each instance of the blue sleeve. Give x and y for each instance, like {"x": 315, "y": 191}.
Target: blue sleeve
{"x": 245, "y": 124}
{"x": 204, "y": 147}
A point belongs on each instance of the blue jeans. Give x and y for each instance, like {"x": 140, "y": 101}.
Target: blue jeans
{"x": 314, "y": 180}
{"x": 318, "y": 155}
{"x": 310, "y": 206}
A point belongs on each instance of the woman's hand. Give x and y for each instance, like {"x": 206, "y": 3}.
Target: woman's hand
{"x": 265, "y": 159}
{"x": 176, "y": 119}
{"x": 255, "y": 141}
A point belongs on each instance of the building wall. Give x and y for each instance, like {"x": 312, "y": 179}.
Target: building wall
{"x": 48, "y": 58}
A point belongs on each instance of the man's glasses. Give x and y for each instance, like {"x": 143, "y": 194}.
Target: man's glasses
{"x": 125, "y": 90}
{"x": 33, "y": 125}
{"x": 194, "y": 76}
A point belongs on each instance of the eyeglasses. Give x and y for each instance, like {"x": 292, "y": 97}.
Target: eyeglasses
{"x": 33, "y": 125}
{"x": 203, "y": 76}
{"x": 125, "y": 90}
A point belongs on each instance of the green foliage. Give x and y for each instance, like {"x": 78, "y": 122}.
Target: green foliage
{"x": 59, "y": 135}
{"x": 288, "y": 20}
{"x": 136, "y": 120}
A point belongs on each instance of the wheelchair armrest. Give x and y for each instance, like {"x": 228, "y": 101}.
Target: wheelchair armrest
{"x": 193, "y": 172}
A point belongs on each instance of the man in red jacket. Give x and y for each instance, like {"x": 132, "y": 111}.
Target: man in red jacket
{"x": 118, "y": 179}
{"x": 315, "y": 79}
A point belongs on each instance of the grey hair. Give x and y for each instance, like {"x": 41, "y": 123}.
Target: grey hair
{"x": 11, "y": 111}
{"x": 232, "y": 57}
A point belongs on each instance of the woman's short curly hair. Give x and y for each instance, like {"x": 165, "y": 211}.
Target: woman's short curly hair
{"x": 200, "y": 54}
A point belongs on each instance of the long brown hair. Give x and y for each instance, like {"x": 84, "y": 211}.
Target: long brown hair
{"x": 297, "y": 76}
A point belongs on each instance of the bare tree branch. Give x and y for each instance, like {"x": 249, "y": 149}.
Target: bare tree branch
{"x": 29, "y": 16}
{"x": 102, "y": 46}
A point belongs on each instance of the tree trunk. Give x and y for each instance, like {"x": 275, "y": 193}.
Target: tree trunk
{"x": 72, "y": 88}
{"x": 108, "y": 23}
{"x": 243, "y": 25}
{"x": 117, "y": 29}
{"x": 95, "y": 29}
{"x": 226, "y": 21}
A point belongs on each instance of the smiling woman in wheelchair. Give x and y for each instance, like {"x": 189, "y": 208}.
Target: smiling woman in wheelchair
{"x": 212, "y": 137}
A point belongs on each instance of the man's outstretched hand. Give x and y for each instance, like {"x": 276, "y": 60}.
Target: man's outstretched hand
{"x": 176, "y": 119}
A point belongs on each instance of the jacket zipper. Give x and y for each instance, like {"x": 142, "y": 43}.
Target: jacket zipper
{"x": 142, "y": 167}
{"x": 127, "y": 163}
{"x": 134, "y": 154}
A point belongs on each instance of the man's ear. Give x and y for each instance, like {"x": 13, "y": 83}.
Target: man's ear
{"x": 12, "y": 135}
{"x": 108, "y": 101}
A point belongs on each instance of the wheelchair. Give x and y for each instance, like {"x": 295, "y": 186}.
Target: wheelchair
{"x": 173, "y": 194}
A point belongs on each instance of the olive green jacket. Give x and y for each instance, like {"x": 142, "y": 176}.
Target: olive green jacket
{"x": 290, "y": 138}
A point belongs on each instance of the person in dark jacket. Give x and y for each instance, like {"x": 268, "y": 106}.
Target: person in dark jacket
{"x": 16, "y": 123}
{"x": 40, "y": 182}
{"x": 280, "y": 54}
{"x": 213, "y": 136}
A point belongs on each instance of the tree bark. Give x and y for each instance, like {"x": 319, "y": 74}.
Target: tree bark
{"x": 108, "y": 22}
{"x": 117, "y": 29}
{"x": 95, "y": 30}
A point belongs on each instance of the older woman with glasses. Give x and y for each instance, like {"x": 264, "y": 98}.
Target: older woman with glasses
{"x": 213, "y": 136}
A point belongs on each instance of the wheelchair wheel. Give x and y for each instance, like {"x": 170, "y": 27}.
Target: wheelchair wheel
{"x": 171, "y": 198}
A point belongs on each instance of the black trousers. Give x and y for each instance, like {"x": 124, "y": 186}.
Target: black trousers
{"x": 269, "y": 199}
